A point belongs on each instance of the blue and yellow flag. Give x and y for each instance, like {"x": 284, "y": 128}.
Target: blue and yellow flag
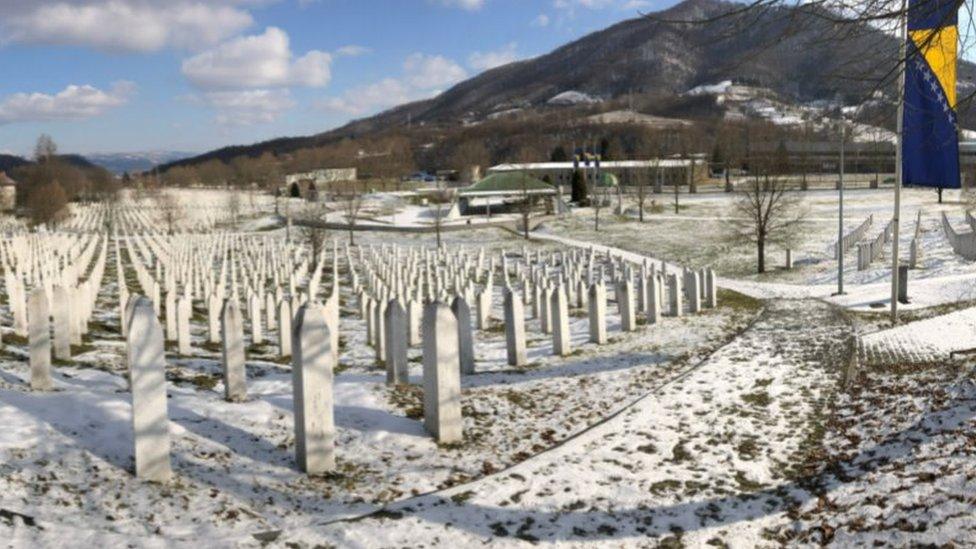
{"x": 930, "y": 140}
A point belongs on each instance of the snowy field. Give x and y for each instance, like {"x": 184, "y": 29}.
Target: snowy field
{"x": 742, "y": 426}
{"x": 698, "y": 235}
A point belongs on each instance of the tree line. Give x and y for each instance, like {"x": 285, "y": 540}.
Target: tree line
{"x": 51, "y": 181}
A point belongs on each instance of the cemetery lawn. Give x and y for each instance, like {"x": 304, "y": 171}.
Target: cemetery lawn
{"x": 698, "y": 235}
{"x": 747, "y": 425}
{"x": 66, "y": 459}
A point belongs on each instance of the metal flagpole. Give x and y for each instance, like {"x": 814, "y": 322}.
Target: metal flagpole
{"x": 840, "y": 223}
{"x": 898, "y": 169}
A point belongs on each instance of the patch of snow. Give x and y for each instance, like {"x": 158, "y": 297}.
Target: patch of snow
{"x": 710, "y": 89}
{"x": 572, "y": 97}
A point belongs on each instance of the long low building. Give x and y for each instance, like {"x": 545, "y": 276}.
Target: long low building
{"x": 683, "y": 171}
{"x": 325, "y": 175}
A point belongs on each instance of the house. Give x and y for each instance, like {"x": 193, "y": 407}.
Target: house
{"x": 8, "y": 192}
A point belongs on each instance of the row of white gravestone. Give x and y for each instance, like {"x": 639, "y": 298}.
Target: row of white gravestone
{"x": 64, "y": 314}
{"x": 386, "y": 273}
{"x": 313, "y": 365}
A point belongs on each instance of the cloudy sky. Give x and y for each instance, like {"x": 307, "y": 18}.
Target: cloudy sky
{"x": 191, "y": 75}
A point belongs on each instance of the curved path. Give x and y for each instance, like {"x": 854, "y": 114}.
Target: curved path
{"x": 706, "y": 456}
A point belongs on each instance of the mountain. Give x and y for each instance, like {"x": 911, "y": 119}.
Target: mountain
{"x": 119, "y": 163}
{"x": 783, "y": 56}
{"x": 9, "y": 162}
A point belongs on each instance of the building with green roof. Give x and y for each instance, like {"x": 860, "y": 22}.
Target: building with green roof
{"x": 508, "y": 184}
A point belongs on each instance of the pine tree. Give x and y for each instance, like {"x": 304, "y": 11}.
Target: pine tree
{"x": 579, "y": 188}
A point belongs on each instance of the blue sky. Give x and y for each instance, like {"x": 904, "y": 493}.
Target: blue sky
{"x": 191, "y": 75}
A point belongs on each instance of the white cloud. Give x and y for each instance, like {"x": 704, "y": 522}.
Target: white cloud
{"x": 123, "y": 25}
{"x": 423, "y": 76}
{"x": 569, "y": 6}
{"x": 248, "y": 107}
{"x": 260, "y": 61}
{"x": 72, "y": 103}
{"x": 352, "y": 50}
{"x": 431, "y": 71}
{"x": 541, "y": 20}
{"x": 372, "y": 97}
{"x": 636, "y": 5}
{"x": 470, "y": 5}
{"x": 482, "y": 61}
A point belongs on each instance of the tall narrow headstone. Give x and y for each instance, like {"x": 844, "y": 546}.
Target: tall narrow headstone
{"x": 545, "y": 310}
{"x": 465, "y": 338}
{"x": 284, "y": 328}
{"x": 39, "y": 340}
{"x": 561, "y": 342}
{"x": 214, "y": 305}
{"x": 370, "y": 321}
{"x": 442, "y": 381}
{"x": 415, "y": 315}
{"x": 694, "y": 292}
{"x": 150, "y": 417}
{"x": 711, "y": 296}
{"x": 598, "y": 313}
{"x": 171, "y": 315}
{"x": 625, "y": 301}
{"x": 653, "y": 296}
{"x": 395, "y": 323}
{"x": 379, "y": 330}
{"x": 62, "y": 322}
{"x": 183, "y": 312}
{"x": 257, "y": 334}
{"x": 674, "y": 288}
{"x": 233, "y": 357}
{"x": 514, "y": 328}
{"x": 312, "y": 380}
{"x": 484, "y": 308}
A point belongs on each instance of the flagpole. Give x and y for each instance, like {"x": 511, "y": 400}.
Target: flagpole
{"x": 840, "y": 211}
{"x": 898, "y": 167}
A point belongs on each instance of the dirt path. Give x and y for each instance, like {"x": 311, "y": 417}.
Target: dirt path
{"x": 707, "y": 456}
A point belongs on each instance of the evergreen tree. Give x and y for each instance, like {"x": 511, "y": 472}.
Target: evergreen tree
{"x": 559, "y": 155}
{"x": 579, "y": 188}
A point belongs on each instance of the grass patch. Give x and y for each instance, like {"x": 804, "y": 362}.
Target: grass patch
{"x": 664, "y": 486}
{"x": 679, "y": 453}
{"x": 519, "y": 399}
{"x": 737, "y": 301}
{"x": 759, "y": 398}
{"x": 462, "y": 497}
{"x": 747, "y": 485}
{"x": 14, "y": 339}
{"x": 410, "y": 399}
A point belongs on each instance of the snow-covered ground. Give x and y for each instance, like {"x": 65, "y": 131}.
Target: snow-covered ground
{"x": 743, "y": 426}
{"x": 68, "y": 461}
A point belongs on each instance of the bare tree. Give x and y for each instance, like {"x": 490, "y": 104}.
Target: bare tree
{"x": 766, "y": 212}
{"x": 641, "y": 177}
{"x": 233, "y": 205}
{"x": 47, "y": 203}
{"x": 169, "y": 209}
{"x": 437, "y": 202}
{"x": 310, "y": 227}
{"x": 352, "y": 202}
{"x": 45, "y": 148}
{"x": 601, "y": 197}
{"x": 527, "y": 203}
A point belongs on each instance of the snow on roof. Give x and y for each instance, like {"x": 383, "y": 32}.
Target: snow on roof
{"x": 609, "y": 164}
